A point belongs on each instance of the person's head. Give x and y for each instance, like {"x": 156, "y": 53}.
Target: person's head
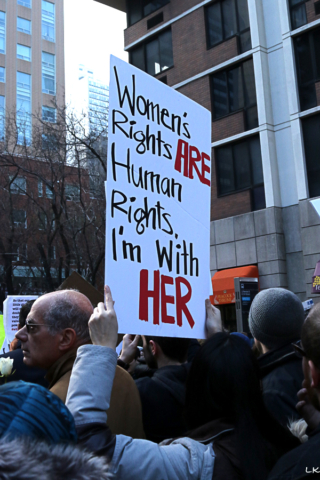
{"x": 29, "y": 410}
{"x": 164, "y": 350}
{"x": 310, "y": 343}
{"x": 26, "y": 459}
{"x": 276, "y": 317}
{"x": 56, "y": 324}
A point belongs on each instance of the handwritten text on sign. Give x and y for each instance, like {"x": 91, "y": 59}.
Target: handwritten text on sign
{"x": 158, "y": 204}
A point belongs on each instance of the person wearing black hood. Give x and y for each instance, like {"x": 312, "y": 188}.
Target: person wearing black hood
{"x": 275, "y": 320}
{"x": 162, "y": 387}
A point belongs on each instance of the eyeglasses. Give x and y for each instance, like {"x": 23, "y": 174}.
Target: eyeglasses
{"x": 298, "y": 350}
{"x": 31, "y": 326}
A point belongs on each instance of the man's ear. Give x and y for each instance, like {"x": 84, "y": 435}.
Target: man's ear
{"x": 68, "y": 339}
{"x": 153, "y": 347}
{"x": 315, "y": 374}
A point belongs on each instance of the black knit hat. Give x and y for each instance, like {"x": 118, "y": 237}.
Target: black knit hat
{"x": 276, "y": 317}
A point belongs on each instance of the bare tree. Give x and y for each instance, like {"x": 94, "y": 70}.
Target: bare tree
{"x": 52, "y": 202}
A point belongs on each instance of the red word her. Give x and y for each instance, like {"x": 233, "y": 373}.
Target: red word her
{"x": 181, "y": 301}
{"x": 191, "y": 158}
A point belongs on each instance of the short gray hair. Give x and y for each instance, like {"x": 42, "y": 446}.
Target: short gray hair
{"x": 27, "y": 459}
{"x": 64, "y": 312}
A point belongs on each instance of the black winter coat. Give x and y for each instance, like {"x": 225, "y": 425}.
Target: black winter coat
{"x": 162, "y": 394}
{"x": 282, "y": 378}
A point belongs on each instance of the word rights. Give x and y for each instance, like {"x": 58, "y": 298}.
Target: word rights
{"x": 158, "y": 206}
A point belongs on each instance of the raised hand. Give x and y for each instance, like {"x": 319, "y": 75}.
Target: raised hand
{"x": 213, "y": 320}
{"x": 129, "y": 348}
{"x": 103, "y": 323}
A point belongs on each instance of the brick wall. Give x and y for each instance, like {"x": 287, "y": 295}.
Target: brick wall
{"x": 229, "y": 205}
{"x": 191, "y": 56}
{"x": 171, "y": 10}
{"x": 311, "y": 15}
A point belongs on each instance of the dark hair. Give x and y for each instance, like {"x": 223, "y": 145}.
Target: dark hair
{"x": 224, "y": 382}
{"x": 173, "y": 348}
{"x": 310, "y": 335}
{"x": 24, "y": 312}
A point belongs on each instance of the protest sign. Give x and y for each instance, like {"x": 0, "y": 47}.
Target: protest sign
{"x": 11, "y": 310}
{"x": 158, "y": 206}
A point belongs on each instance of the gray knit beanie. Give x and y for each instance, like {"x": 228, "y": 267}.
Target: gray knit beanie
{"x": 276, "y": 317}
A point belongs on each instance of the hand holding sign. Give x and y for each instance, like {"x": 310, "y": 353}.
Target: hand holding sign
{"x": 103, "y": 323}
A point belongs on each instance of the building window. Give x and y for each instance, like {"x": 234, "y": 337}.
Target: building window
{"x": 234, "y": 90}
{"x": 24, "y": 52}
{"x": 23, "y": 25}
{"x": 72, "y": 193}
{"x": 48, "y": 73}
{"x": 49, "y": 192}
{"x": 24, "y": 108}
{"x": 40, "y": 188}
{"x": 52, "y": 252}
{"x": 19, "y": 253}
{"x": 225, "y": 19}
{"x": 2, "y": 32}
{"x": 18, "y": 186}
{"x": 239, "y": 167}
{"x": 138, "y": 9}
{"x": 2, "y": 117}
{"x": 154, "y": 56}
{"x": 20, "y": 218}
{"x": 25, "y": 3}
{"x": 311, "y": 137}
{"x": 2, "y": 74}
{"x": 48, "y": 21}
{"x": 42, "y": 220}
{"x": 49, "y": 114}
{"x": 307, "y": 51}
{"x": 298, "y": 13}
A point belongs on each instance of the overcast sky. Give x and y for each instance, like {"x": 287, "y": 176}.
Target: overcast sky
{"x": 92, "y": 32}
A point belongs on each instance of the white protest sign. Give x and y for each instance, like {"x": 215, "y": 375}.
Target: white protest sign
{"x": 12, "y": 306}
{"x": 158, "y": 206}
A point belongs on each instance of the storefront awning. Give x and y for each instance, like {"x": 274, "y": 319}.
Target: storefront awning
{"x": 223, "y": 283}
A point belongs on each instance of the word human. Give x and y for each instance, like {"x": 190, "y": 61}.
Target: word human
{"x": 145, "y": 179}
{"x": 153, "y": 111}
{"x": 159, "y": 293}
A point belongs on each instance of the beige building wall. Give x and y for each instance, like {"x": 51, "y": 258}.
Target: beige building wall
{"x": 38, "y": 45}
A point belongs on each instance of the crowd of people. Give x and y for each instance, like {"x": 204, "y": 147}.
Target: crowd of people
{"x": 232, "y": 407}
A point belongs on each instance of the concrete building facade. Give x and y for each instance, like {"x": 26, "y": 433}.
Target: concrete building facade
{"x": 31, "y": 60}
{"x": 256, "y": 65}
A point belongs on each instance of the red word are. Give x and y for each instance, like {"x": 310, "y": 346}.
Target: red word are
{"x": 192, "y": 161}
{"x": 158, "y": 294}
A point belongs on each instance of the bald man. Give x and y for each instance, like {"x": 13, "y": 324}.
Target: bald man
{"x": 56, "y": 327}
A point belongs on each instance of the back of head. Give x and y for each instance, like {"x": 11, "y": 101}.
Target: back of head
{"x": 172, "y": 347}
{"x": 24, "y": 312}
{"x": 276, "y": 317}
{"x": 29, "y": 410}
{"x": 310, "y": 335}
{"x": 69, "y": 309}
{"x": 27, "y": 459}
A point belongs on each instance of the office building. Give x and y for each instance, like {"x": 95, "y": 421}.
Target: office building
{"x": 255, "y": 64}
{"x": 31, "y": 61}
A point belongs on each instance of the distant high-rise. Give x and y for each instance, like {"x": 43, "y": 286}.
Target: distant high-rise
{"x": 32, "y": 76}
{"x": 95, "y": 100}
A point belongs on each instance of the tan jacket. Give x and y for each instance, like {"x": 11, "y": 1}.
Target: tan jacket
{"x": 125, "y": 413}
